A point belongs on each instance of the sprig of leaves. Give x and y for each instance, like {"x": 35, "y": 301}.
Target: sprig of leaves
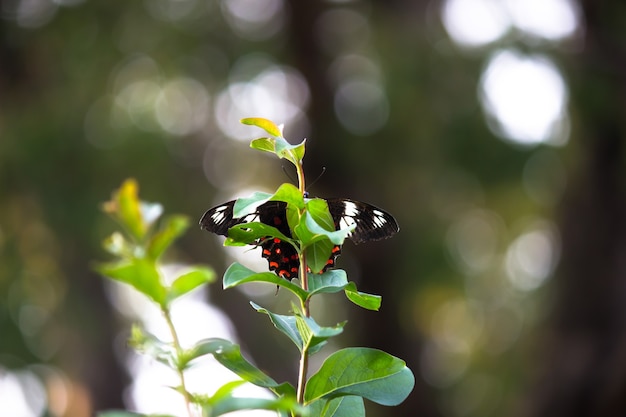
{"x": 138, "y": 250}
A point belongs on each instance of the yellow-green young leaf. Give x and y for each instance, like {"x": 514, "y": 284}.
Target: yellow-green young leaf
{"x": 226, "y": 390}
{"x": 290, "y": 194}
{"x": 264, "y": 124}
{"x": 292, "y": 153}
{"x": 135, "y": 216}
{"x": 170, "y": 230}
{"x": 297, "y": 151}
{"x": 125, "y": 206}
{"x": 264, "y": 144}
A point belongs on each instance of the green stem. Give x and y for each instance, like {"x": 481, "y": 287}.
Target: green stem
{"x": 179, "y": 352}
{"x": 300, "y": 172}
{"x": 304, "y": 280}
{"x": 304, "y": 356}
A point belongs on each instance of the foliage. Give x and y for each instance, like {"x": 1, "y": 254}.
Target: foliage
{"x": 345, "y": 378}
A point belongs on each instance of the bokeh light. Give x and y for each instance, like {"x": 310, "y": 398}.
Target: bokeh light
{"x": 523, "y": 95}
{"x": 254, "y": 19}
{"x": 553, "y": 20}
{"x": 361, "y": 106}
{"x": 532, "y": 256}
{"x": 525, "y": 98}
{"x": 473, "y": 240}
{"x": 274, "y": 92}
{"x": 475, "y": 23}
{"x": 23, "y": 394}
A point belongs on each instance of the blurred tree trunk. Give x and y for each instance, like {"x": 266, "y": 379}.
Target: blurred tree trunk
{"x": 582, "y": 365}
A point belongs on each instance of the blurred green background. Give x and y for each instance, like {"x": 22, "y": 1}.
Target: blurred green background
{"x": 492, "y": 129}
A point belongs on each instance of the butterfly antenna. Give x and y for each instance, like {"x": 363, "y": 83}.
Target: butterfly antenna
{"x": 287, "y": 174}
{"x": 318, "y": 177}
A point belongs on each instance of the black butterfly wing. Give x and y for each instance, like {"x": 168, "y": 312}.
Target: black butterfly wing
{"x": 372, "y": 223}
{"x": 282, "y": 258}
{"x": 220, "y": 218}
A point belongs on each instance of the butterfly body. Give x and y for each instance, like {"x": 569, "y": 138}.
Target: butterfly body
{"x": 370, "y": 223}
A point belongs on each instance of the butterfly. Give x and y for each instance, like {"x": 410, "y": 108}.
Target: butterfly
{"x": 371, "y": 223}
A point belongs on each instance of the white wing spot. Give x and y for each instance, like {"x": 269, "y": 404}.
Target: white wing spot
{"x": 350, "y": 209}
{"x": 218, "y": 216}
{"x": 346, "y": 222}
{"x": 380, "y": 219}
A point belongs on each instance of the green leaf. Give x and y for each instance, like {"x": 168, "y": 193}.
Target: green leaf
{"x": 318, "y": 241}
{"x": 264, "y": 124}
{"x": 368, "y": 373}
{"x": 247, "y": 205}
{"x": 336, "y": 280}
{"x": 318, "y": 210}
{"x": 237, "y": 274}
{"x": 128, "y": 210}
{"x": 225, "y": 390}
{"x": 249, "y": 233}
{"x": 331, "y": 281}
{"x": 292, "y": 153}
{"x": 335, "y": 236}
{"x": 304, "y": 332}
{"x": 170, "y": 230}
{"x": 314, "y": 335}
{"x": 141, "y": 273}
{"x": 309, "y": 232}
{"x": 318, "y": 254}
{"x": 367, "y": 301}
{"x": 229, "y": 355}
{"x": 190, "y": 281}
{"x": 286, "y": 324}
{"x": 347, "y": 406}
{"x": 286, "y": 192}
{"x": 275, "y": 144}
{"x": 264, "y": 145}
{"x": 290, "y": 194}
{"x": 134, "y": 215}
